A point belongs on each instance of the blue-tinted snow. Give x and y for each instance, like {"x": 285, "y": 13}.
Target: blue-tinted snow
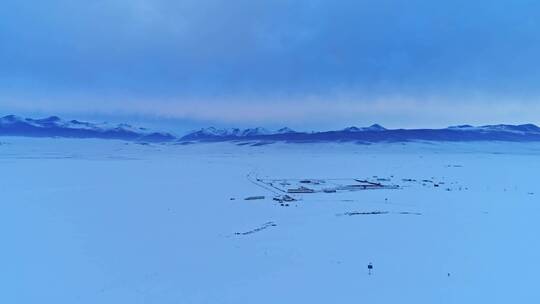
{"x": 94, "y": 221}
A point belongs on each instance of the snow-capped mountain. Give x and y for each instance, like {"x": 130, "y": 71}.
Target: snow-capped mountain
{"x": 53, "y": 126}
{"x": 522, "y": 129}
{"x": 375, "y": 133}
{"x": 374, "y": 127}
{"x": 232, "y": 133}
{"x": 285, "y": 130}
{"x": 255, "y": 132}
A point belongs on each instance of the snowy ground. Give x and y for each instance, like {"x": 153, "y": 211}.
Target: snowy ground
{"x": 94, "y": 221}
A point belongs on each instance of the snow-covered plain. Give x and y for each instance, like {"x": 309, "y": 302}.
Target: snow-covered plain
{"x": 98, "y": 221}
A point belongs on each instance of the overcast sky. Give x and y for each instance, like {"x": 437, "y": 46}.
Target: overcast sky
{"x": 304, "y": 63}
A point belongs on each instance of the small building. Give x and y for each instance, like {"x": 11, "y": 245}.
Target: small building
{"x": 251, "y": 198}
{"x": 302, "y": 189}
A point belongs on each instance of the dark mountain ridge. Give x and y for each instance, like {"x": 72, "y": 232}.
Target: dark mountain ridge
{"x": 376, "y": 133}
{"x": 53, "y": 126}
{"x": 56, "y": 127}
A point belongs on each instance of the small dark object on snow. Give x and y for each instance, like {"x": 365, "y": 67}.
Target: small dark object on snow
{"x": 251, "y": 198}
{"x": 261, "y": 228}
{"x": 287, "y": 198}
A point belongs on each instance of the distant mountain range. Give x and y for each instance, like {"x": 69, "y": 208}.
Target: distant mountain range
{"x": 372, "y": 134}
{"x": 55, "y": 127}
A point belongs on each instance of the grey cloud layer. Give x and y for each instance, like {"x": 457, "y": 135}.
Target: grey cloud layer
{"x": 190, "y": 49}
